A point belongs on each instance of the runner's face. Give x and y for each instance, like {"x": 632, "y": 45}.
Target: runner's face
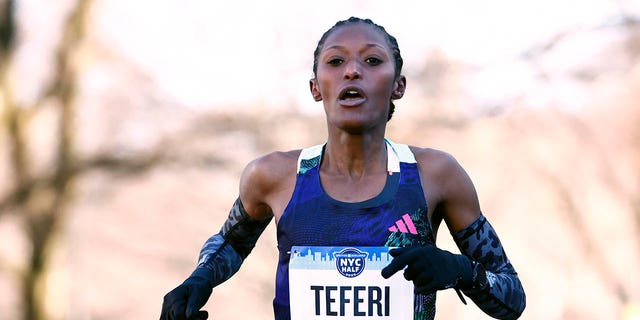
{"x": 356, "y": 78}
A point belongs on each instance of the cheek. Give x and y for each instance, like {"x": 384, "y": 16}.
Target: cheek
{"x": 325, "y": 84}
{"x": 386, "y": 85}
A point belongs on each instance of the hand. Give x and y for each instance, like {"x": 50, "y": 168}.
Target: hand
{"x": 430, "y": 268}
{"x": 184, "y": 302}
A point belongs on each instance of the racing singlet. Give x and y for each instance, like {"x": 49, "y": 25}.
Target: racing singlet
{"x": 396, "y": 217}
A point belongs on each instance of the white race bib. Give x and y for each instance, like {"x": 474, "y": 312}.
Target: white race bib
{"x": 345, "y": 282}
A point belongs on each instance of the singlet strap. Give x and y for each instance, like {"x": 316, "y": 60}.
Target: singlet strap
{"x": 310, "y": 157}
{"x": 402, "y": 152}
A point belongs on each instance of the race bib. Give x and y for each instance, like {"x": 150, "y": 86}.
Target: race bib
{"x": 345, "y": 282}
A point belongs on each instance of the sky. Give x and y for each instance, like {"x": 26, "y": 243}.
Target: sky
{"x": 207, "y": 53}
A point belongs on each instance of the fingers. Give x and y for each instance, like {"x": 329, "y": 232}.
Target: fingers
{"x": 177, "y": 311}
{"x": 174, "y": 304}
{"x": 398, "y": 251}
{"x": 200, "y": 315}
{"x": 410, "y": 273}
{"x": 198, "y": 296}
{"x": 173, "y": 307}
{"x": 402, "y": 257}
{"x": 392, "y": 268}
{"x": 428, "y": 267}
{"x": 163, "y": 313}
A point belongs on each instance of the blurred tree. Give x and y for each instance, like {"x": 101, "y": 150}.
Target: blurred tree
{"x": 616, "y": 57}
{"x": 40, "y": 200}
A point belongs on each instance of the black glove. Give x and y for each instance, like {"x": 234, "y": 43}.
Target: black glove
{"x": 184, "y": 302}
{"x": 431, "y": 268}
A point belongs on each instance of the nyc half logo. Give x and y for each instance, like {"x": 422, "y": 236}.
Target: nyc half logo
{"x": 350, "y": 262}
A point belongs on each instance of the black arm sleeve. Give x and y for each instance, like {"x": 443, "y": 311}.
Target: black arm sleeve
{"x": 224, "y": 252}
{"x": 497, "y": 289}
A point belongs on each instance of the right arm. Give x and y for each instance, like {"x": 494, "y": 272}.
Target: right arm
{"x": 263, "y": 185}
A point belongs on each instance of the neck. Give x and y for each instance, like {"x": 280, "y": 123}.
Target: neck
{"x": 355, "y": 155}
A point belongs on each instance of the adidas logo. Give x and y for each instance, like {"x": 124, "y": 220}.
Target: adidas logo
{"x": 404, "y": 225}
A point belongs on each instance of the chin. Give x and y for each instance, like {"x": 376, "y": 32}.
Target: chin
{"x": 354, "y": 130}
{"x": 355, "y": 127}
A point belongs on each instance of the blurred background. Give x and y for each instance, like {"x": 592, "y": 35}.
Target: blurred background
{"x": 125, "y": 126}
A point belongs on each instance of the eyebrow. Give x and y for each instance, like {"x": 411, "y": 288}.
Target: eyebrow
{"x": 368, "y": 45}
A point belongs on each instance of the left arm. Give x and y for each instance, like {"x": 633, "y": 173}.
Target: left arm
{"x": 482, "y": 271}
{"x": 494, "y": 287}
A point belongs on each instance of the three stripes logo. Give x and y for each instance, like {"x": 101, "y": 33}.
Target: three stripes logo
{"x": 404, "y": 225}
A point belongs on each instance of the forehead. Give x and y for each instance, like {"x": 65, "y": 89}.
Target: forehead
{"x": 356, "y": 34}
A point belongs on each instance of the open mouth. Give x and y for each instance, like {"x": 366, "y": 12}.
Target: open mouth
{"x": 351, "y": 93}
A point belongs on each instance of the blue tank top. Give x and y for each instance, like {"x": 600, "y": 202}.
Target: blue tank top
{"x": 395, "y": 217}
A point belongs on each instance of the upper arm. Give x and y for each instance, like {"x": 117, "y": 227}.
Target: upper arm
{"x": 456, "y": 197}
{"x": 264, "y": 181}
{"x": 460, "y": 203}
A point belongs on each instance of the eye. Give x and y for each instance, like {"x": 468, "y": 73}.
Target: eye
{"x": 335, "y": 62}
{"x": 373, "y": 61}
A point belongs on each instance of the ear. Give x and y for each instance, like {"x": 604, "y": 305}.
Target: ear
{"x": 399, "y": 86}
{"x": 315, "y": 90}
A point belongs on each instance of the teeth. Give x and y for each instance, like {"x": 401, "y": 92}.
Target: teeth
{"x": 351, "y": 94}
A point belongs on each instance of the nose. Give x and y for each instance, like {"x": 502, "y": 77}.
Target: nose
{"x": 352, "y": 71}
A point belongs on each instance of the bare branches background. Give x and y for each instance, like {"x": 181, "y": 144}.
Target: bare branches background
{"x": 108, "y": 194}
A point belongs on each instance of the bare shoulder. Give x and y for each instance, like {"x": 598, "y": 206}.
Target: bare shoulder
{"x": 272, "y": 166}
{"x": 450, "y": 185}
{"x": 436, "y": 162}
{"x": 266, "y": 179}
